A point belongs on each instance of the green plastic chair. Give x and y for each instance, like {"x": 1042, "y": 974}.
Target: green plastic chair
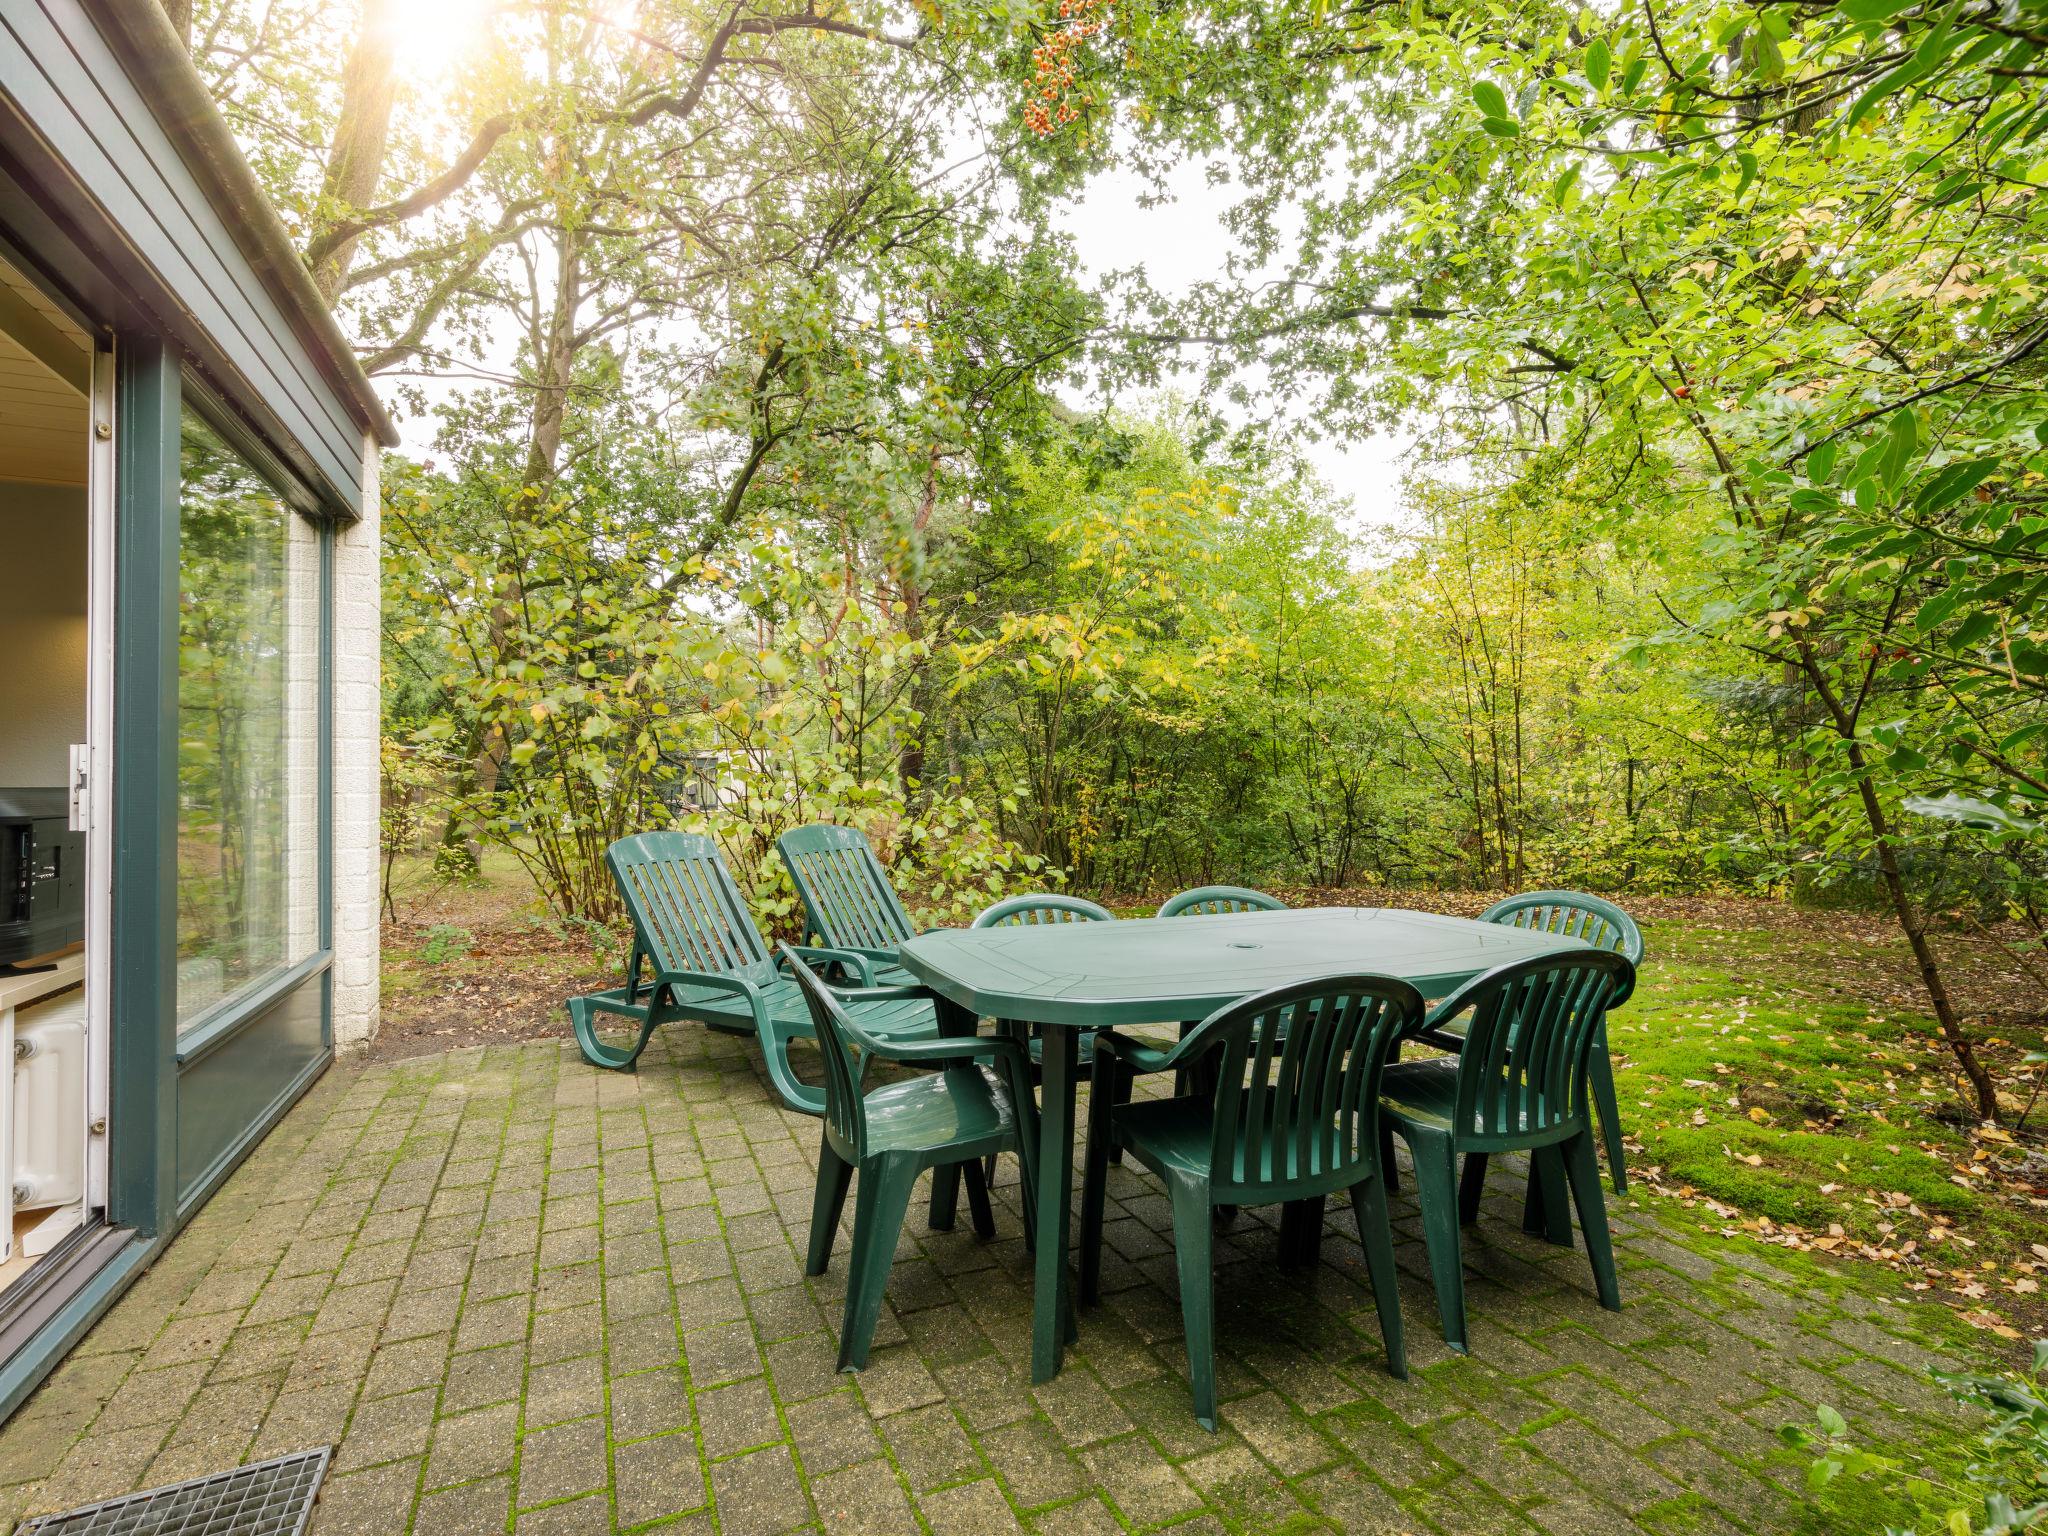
{"x": 1518, "y": 1084}
{"x": 1213, "y": 901}
{"x": 1210, "y": 900}
{"x": 1044, "y": 908}
{"x": 709, "y": 963}
{"x": 1035, "y": 907}
{"x": 889, "y": 1135}
{"x": 1293, "y": 1117}
{"x": 848, "y": 900}
{"x": 1604, "y": 926}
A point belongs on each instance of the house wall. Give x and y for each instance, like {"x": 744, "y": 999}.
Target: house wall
{"x": 43, "y": 640}
{"x": 357, "y": 678}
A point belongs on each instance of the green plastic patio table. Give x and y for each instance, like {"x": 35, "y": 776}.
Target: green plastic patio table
{"x": 1069, "y": 977}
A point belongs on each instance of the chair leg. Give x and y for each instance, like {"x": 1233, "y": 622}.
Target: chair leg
{"x": 1020, "y": 1034}
{"x": 1546, "y": 1208}
{"x": 880, "y": 1203}
{"x": 1388, "y": 1173}
{"x": 835, "y": 1175}
{"x": 1094, "y": 1197}
{"x": 1027, "y": 1189}
{"x": 1436, "y": 1191}
{"x": 1192, "y": 1251}
{"x": 1123, "y": 1083}
{"x": 1600, "y": 1078}
{"x": 583, "y": 1024}
{"x": 978, "y": 1208}
{"x": 1471, "y": 1186}
{"x": 945, "y": 1197}
{"x": 1584, "y": 1172}
{"x": 1376, "y": 1237}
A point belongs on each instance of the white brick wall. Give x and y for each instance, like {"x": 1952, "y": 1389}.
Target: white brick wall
{"x": 356, "y": 683}
{"x": 302, "y": 736}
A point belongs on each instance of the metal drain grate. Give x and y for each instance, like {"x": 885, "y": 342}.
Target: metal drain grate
{"x": 267, "y": 1498}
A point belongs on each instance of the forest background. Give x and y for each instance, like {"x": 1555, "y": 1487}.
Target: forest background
{"x": 764, "y": 470}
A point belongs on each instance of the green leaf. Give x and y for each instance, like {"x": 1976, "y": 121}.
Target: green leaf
{"x": 1875, "y": 10}
{"x": 1599, "y": 61}
{"x": 1974, "y": 630}
{"x": 1748, "y": 164}
{"x": 1896, "y": 79}
{"x": 1936, "y": 611}
{"x": 1952, "y": 483}
{"x": 1968, "y": 811}
{"x": 1491, "y": 100}
{"x": 1903, "y": 438}
{"x": 2014, "y": 740}
{"x": 1831, "y": 1421}
{"x": 1501, "y": 128}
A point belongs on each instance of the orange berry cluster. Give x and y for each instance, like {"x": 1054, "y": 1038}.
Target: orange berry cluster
{"x": 1053, "y": 64}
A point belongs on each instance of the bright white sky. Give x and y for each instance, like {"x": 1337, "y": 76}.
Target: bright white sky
{"x": 1179, "y": 243}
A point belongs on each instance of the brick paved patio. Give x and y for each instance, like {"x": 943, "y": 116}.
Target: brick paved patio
{"x": 517, "y": 1293}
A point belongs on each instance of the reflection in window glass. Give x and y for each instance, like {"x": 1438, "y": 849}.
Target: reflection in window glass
{"x": 248, "y": 653}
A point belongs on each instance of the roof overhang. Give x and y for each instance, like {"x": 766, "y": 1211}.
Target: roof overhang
{"x": 156, "y": 59}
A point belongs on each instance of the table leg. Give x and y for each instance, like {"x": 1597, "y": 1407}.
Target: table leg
{"x": 954, "y": 1021}
{"x": 1301, "y": 1232}
{"x": 1052, "y": 1321}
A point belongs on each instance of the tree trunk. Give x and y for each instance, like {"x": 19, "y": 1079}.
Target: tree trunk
{"x": 355, "y": 160}
{"x": 910, "y": 590}
{"x": 555, "y": 368}
{"x": 179, "y": 14}
{"x": 1953, "y": 1035}
{"x": 1960, "y": 1045}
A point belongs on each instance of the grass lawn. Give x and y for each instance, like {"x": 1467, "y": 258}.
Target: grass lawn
{"x": 1769, "y": 1074}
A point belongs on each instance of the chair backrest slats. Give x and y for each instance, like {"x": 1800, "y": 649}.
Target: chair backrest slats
{"x": 688, "y": 914}
{"x": 1042, "y": 907}
{"x": 1522, "y": 1070}
{"x": 1298, "y": 1078}
{"x": 845, "y": 1103}
{"x": 848, "y": 900}
{"x": 1572, "y": 914}
{"x": 1211, "y": 900}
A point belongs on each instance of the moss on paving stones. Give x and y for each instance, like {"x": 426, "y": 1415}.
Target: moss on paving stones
{"x": 522, "y": 1295}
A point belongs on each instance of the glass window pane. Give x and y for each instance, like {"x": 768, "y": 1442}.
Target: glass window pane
{"x": 248, "y": 726}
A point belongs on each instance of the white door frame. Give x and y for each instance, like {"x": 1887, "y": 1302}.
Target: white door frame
{"x": 99, "y": 791}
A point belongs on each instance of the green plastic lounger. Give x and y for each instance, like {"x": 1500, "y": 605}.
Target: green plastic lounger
{"x": 849, "y": 903}
{"x": 708, "y": 964}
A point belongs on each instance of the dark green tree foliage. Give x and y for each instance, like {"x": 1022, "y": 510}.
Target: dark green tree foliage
{"x": 1773, "y": 263}
{"x": 759, "y": 495}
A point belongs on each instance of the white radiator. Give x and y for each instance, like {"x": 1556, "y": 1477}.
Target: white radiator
{"x": 49, "y": 1103}
{"x": 42, "y": 1111}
